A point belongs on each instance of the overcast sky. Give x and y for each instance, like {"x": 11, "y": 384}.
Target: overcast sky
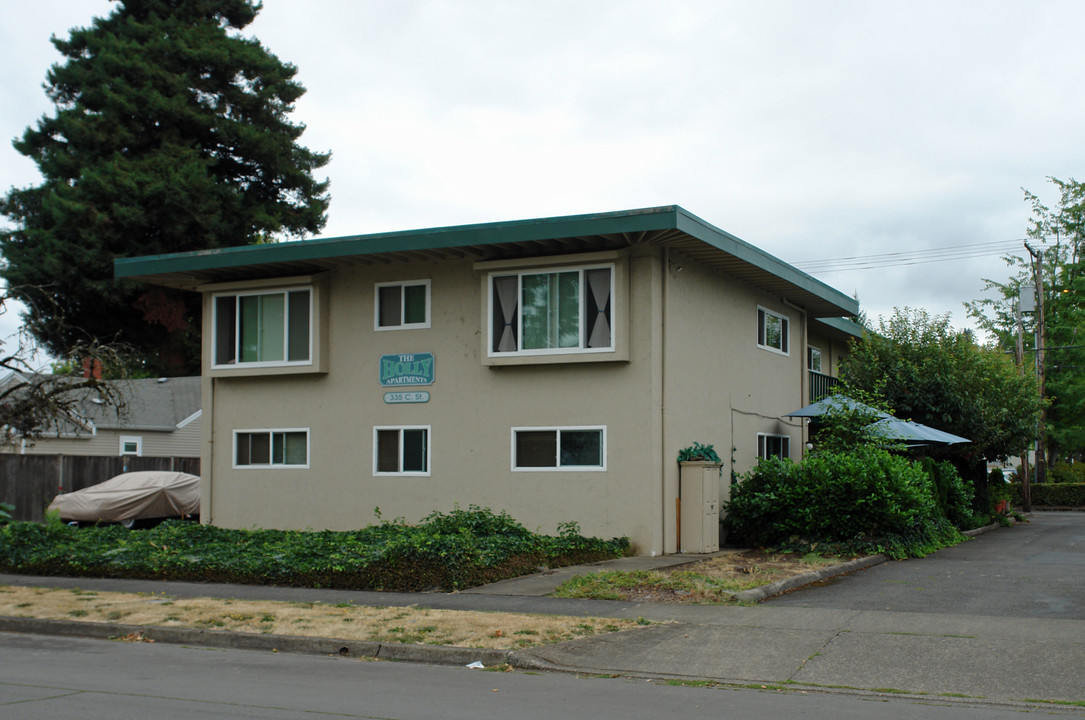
{"x": 814, "y": 130}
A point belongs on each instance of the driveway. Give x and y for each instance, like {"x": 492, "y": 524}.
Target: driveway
{"x": 1034, "y": 569}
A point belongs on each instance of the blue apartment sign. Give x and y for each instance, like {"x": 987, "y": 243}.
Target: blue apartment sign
{"x": 406, "y": 369}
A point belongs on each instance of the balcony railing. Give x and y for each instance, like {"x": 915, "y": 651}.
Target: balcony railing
{"x": 821, "y": 385}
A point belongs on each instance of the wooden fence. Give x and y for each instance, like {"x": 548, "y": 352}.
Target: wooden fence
{"x": 30, "y": 482}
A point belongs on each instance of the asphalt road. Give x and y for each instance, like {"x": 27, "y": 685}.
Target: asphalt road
{"x": 1032, "y": 570}
{"x": 63, "y": 678}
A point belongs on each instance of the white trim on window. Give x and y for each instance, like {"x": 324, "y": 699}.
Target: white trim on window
{"x": 596, "y": 327}
{"x": 773, "y": 331}
{"x": 227, "y": 334}
{"x": 560, "y": 463}
{"x": 773, "y": 445}
{"x": 244, "y": 461}
{"x": 400, "y": 323}
{"x": 419, "y": 464}
{"x": 812, "y": 352}
{"x": 136, "y": 441}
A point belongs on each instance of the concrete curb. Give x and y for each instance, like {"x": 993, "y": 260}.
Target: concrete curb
{"x": 433, "y": 654}
{"x": 758, "y": 594}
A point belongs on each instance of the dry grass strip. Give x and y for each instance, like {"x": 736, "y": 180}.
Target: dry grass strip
{"x": 460, "y": 628}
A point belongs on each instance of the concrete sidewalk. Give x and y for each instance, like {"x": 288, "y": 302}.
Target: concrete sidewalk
{"x": 951, "y": 658}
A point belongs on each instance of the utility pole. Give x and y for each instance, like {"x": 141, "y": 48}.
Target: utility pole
{"x": 1041, "y": 435}
{"x": 1019, "y": 357}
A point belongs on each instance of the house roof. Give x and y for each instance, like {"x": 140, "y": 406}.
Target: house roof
{"x": 151, "y": 404}
{"x": 669, "y": 225}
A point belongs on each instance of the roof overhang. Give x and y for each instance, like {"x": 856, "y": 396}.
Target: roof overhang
{"x": 670, "y": 226}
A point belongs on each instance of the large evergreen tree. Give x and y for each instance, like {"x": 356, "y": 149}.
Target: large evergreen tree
{"x": 170, "y": 134}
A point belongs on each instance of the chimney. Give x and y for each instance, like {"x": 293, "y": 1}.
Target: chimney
{"x": 92, "y": 368}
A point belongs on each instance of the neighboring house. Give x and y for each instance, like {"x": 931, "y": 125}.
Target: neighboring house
{"x": 549, "y": 368}
{"x": 160, "y": 418}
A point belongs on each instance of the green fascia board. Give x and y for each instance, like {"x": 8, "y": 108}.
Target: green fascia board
{"x": 725, "y": 241}
{"x": 400, "y": 241}
{"x": 665, "y": 217}
{"x": 844, "y": 325}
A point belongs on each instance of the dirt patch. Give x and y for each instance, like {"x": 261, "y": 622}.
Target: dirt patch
{"x": 504, "y": 631}
{"x": 759, "y": 565}
{"x": 706, "y": 581}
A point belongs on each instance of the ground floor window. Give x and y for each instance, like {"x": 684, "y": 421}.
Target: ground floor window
{"x": 271, "y": 448}
{"x": 773, "y": 446}
{"x": 559, "y": 448}
{"x": 401, "y": 450}
{"x": 131, "y": 445}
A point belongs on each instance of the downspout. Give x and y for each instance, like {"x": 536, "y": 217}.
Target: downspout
{"x": 210, "y": 485}
{"x": 663, "y": 402}
{"x": 804, "y": 372}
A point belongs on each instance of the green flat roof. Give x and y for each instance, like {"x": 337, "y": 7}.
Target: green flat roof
{"x": 668, "y": 225}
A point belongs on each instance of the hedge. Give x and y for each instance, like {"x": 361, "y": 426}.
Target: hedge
{"x": 450, "y": 551}
{"x": 1052, "y": 494}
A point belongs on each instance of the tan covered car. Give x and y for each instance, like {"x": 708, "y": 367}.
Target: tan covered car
{"x": 132, "y": 498}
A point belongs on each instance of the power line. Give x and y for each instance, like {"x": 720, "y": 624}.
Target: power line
{"x": 911, "y": 257}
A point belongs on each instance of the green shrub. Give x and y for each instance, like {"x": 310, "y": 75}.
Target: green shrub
{"x": 699, "y": 452}
{"x": 952, "y": 494}
{"x": 446, "y": 551}
{"x": 1064, "y": 472}
{"x": 1052, "y": 494}
{"x": 6, "y": 509}
{"x": 866, "y": 499}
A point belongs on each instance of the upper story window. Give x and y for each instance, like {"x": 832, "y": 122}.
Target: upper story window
{"x": 560, "y": 310}
{"x": 263, "y": 328}
{"x": 402, "y": 305}
{"x": 813, "y": 358}
{"x": 772, "y": 331}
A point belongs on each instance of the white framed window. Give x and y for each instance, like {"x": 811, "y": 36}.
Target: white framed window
{"x": 265, "y": 328}
{"x": 271, "y": 448}
{"x": 401, "y": 305}
{"x": 813, "y": 358}
{"x": 401, "y": 450}
{"x": 131, "y": 445}
{"x": 552, "y": 311}
{"x": 559, "y": 448}
{"x": 772, "y": 331}
{"x": 769, "y": 445}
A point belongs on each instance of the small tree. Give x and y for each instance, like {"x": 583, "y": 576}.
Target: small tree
{"x": 1058, "y": 237}
{"x": 33, "y": 404}
{"x": 927, "y": 371}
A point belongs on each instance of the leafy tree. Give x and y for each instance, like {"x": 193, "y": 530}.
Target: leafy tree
{"x": 34, "y": 404}
{"x": 928, "y": 372}
{"x": 1059, "y": 237}
{"x": 170, "y": 134}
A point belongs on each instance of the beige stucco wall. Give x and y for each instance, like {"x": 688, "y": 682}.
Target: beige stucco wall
{"x": 471, "y": 413}
{"x": 834, "y": 348}
{"x": 720, "y": 387}
{"x": 693, "y": 373}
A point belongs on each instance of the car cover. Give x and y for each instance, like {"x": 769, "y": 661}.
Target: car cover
{"x": 132, "y": 496}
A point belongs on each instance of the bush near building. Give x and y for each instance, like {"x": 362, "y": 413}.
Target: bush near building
{"x": 445, "y": 551}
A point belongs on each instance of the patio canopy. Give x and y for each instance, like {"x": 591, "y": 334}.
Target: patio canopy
{"x": 886, "y": 427}
{"x": 835, "y": 403}
{"x": 913, "y": 433}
